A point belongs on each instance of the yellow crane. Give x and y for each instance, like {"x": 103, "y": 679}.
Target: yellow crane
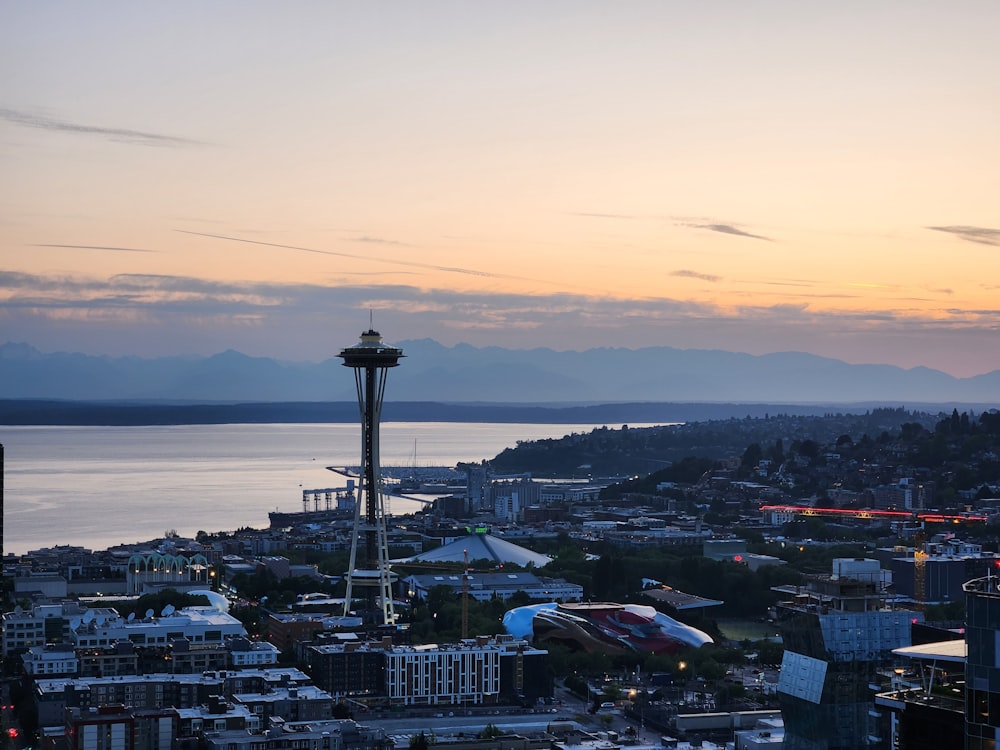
{"x": 920, "y": 568}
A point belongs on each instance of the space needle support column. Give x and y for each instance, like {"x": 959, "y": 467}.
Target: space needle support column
{"x": 370, "y": 360}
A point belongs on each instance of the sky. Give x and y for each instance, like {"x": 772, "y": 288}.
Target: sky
{"x": 186, "y": 178}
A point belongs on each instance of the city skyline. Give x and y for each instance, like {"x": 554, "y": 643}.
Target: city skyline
{"x": 775, "y": 177}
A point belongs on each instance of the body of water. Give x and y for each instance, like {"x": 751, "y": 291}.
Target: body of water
{"x": 101, "y": 486}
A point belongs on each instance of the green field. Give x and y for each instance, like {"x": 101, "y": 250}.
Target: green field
{"x": 753, "y": 630}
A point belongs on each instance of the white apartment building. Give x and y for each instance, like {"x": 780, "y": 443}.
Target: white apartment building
{"x": 431, "y": 674}
{"x": 48, "y": 661}
{"x": 199, "y": 625}
{"x": 245, "y": 653}
{"x": 43, "y": 623}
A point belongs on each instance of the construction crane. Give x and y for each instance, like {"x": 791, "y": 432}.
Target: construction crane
{"x": 466, "y": 579}
{"x": 465, "y": 595}
{"x": 920, "y": 568}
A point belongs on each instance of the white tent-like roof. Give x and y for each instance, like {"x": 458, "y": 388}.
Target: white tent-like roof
{"x": 482, "y": 547}
{"x": 940, "y": 651}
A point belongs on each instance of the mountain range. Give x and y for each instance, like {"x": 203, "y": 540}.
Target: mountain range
{"x": 491, "y": 375}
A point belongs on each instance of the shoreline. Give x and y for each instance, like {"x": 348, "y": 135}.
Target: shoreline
{"x": 52, "y": 412}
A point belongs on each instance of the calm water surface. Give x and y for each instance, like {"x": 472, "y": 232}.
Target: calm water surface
{"x": 102, "y": 486}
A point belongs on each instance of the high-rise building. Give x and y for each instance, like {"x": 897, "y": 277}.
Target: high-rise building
{"x": 3, "y": 576}
{"x": 370, "y": 359}
{"x": 982, "y": 668}
{"x": 954, "y": 689}
{"x": 925, "y": 697}
{"x": 838, "y": 632}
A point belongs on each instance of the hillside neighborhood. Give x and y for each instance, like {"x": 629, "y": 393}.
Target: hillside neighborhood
{"x": 768, "y": 529}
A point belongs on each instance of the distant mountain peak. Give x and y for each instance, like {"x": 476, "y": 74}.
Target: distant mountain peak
{"x": 15, "y": 350}
{"x": 470, "y": 374}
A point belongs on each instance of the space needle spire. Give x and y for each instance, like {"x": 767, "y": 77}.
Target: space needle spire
{"x": 370, "y": 359}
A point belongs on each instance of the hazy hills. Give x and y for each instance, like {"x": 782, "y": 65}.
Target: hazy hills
{"x": 462, "y": 374}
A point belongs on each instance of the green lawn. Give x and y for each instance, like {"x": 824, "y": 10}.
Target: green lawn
{"x": 753, "y": 630}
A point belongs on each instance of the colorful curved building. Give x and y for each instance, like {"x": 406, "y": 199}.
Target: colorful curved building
{"x": 603, "y": 627}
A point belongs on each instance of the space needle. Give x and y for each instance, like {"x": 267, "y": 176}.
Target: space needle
{"x": 371, "y": 359}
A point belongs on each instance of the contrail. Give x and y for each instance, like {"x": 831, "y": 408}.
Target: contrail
{"x": 408, "y": 263}
{"x": 98, "y": 247}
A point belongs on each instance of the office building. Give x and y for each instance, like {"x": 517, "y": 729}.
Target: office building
{"x": 982, "y": 669}
{"x": 838, "y": 632}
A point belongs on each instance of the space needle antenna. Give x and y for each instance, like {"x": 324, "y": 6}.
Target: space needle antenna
{"x": 369, "y": 564}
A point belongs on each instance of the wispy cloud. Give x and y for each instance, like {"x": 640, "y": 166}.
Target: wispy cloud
{"x": 594, "y": 215}
{"x": 138, "y": 314}
{"x": 730, "y": 229}
{"x": 165, "y": 293}
{"x": 121, "y": 135}
{"x": 388, "y": 261}
{"x": 754, "y": 293}
{"x": 802, "y": 283}
{"x": 691, "y": 223}
{"x": 979, "y": 235}
{"x": 985, "y": 312}
{"x": 98, "y": 247}
{"x": 379, "y": 241}
{"x": 686, "y": 274}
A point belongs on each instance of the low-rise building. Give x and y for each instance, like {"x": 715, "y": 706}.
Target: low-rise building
{"x": 302, "y": 703}
{"x": 244, "y": 653}
{"x": 313, "y": 735}
{"x": 43, "y": 623}
{"x": 486, "y": 586}
{"x": 51, "y": 661}
{"x": 198, "y": 625}
{"x": 104, "y": 728}
{"x": 285, "y": 630}
{"x": 216, "y": 715}
{"x": 54, "y": 696}
{"x": 109, "y": 661}
{"x": 938, "y": 573}
{"x": 41, "y": 585}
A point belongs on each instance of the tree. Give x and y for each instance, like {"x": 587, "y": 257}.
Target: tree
{"x": 603, "y": 578}
{"x": 751, "y": 456}
{"x": 490, "y": 731}
{"x": 158, "y": 601}
{"x": 769, "y": 652}
{"x": 777, "y": 453}
{"x": 419, "y": 742}
{"x": 809, "y": 449}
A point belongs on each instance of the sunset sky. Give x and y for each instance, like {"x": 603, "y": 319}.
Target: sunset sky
{"x": 751, "y": 176}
